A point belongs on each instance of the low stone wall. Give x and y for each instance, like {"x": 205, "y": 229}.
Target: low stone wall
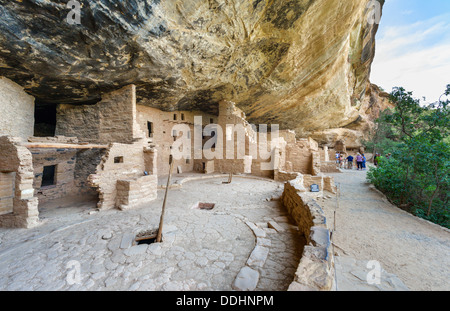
{"x": 316, "y": 268}
{"x": 18, "y": 206}
{"x": 329, "y": 167}
{"x": 138, "y": 191}
{"x": 120, "y": 162}
{"x": 284, "y": 176}
{"x": 305, "y": 181}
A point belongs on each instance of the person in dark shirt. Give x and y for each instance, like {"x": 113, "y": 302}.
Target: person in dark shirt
{"x": 350, "y": 162}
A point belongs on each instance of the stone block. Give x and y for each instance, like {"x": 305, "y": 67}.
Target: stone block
{"x": 246, "y": 280}
{"x": 258, "y": 257}
{"x": 127, "y": 240}
{"x": 136, "y": 250}
{"x": 272, "y": 224}
{"x": 320, "y": 236}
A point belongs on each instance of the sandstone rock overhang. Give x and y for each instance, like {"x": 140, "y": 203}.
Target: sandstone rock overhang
{"x": 302, "y": 64}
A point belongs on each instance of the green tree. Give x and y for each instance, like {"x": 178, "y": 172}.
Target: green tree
{"x": 416, "y": 177}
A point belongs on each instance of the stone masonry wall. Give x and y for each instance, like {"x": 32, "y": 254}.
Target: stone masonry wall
{"x": 300, "y": 157}
{"x": 316, "y": 268}
{"x": 236, "y": 154}
{"x": 85, "y": 165}
{"x": 64, "y": 161}
{"x": 113, "y": 119}
{"x": 120, "y": 162}
{"x": 72, "y": 169}
{"x": 16, "y": 161}
{"x": 250, "y": 159}
{"x": 137, "y": 191}
{"x": 162, "y": 127}
{"x": 16, "y": 110}
{"x": 163, "y": 124}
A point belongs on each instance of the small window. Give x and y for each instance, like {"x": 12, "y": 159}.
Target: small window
{"x": 182, "y": 117}
{"x": 211, "y": 121}
{"x": 150, "y": 129}
{"x": 175, "y": 116}
{"x": 118, "y": 160}
{"x": 188, "y": 161}
{"x": 48, "y": 176}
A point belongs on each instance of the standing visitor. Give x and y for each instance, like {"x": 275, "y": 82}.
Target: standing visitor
{"x": 359, "y": 161}
{"x": 364, "y": 161}
{"x": 375, "y": 160}
{"x": 350, "y": 162}
{"x": 341, "y": 161}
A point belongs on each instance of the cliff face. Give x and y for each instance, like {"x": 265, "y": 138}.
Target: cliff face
{"x": 302, "y": 64}
{"x": 374, "y": 102}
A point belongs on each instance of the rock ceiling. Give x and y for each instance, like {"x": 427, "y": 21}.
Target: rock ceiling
{"x": 303, "y": 64}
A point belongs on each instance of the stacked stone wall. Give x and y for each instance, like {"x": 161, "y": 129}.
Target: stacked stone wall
{"x": 113, "y": 119}
{"x": 134, "y": 192}
{"x": 316, "y": 268}
{"x": 16, "y": 110}
{"x": 16, "y": 161}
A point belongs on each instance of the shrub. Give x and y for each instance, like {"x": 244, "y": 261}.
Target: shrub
{"x": 416, "y": 176}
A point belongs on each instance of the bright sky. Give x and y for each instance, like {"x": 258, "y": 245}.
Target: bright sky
{"x": 413, "y": 47}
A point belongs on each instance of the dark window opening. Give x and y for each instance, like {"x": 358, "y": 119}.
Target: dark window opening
{"x": 182, "y": 116}
{"x": 213, "y": 134}
{"x": 48, "y": 176}
{"x": 44, "y": 119}
{"x": 175, "y": 116}
{"x": 211, "y": 121}
{"x": 150, "y": 129}
{"x": 118, "y": 160}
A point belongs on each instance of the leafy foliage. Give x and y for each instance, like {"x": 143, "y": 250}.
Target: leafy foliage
{"x": 416, "y": 175}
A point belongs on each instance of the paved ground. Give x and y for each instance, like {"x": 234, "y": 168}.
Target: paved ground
{"x": 77, "y": 248}
{"x": 413, "y": 253}
{"x": 230, "y": 246}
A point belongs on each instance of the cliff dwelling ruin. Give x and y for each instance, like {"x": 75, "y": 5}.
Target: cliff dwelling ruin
{"x": 94, "y": 116}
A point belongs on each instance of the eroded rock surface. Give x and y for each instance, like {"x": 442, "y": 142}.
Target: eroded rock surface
{"x": 303, "y": 64}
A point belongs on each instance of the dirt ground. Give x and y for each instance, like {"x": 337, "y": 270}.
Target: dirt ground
{"x": 368, "y": 227}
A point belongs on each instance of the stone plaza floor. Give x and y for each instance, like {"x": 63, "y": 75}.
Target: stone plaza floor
{"x": 78, "y": 248}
